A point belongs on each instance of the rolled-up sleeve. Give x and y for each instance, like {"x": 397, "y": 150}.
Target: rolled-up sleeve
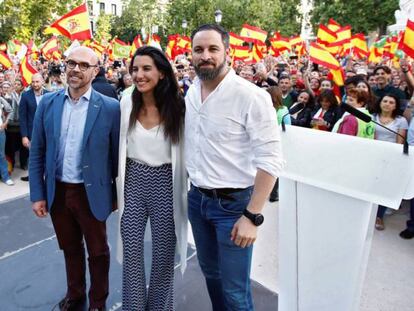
{"x": 263, "y": 131}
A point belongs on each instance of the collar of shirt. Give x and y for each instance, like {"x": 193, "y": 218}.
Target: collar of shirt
{"x": 228, "y": 77}
{"x": 84, "y": 98}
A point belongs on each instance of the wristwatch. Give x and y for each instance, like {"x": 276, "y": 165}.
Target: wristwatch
{"x": 256, "y": 219}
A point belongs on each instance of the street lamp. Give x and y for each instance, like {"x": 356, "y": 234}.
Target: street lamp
{"x": 218, "y": 15}
{"x": 184, "y": 25}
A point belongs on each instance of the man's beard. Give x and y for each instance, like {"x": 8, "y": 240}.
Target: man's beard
{"x": 207, "y": 74}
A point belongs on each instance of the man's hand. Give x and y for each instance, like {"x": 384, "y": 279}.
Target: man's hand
{"x": 26, "y": 142}
{"x": 39, "y": 208}
{"x": 244, "y": 232}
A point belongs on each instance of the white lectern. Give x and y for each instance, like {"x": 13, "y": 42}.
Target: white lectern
{"x": 329, "y": 193}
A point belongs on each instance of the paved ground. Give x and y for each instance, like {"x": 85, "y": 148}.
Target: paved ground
{"x": 32, "y": 274}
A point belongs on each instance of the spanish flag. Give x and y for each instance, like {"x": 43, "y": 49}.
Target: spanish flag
{"x": 257, "y": 55}
{"x": 333, "y": 25}
{"x": 49, "y": 47}
{"x": 319, "y": 55}
{"x": 296, "y": 40}
{"x": 172, "y": 40}
{"x": 5, "y": 60}
{"x": 325, "y": 35}
{"x": 251, "y": 33}
{"x": 241, "y": 53}
{"x": 3, "y": 47}
{"x": 136, "y": 44}
{"x": 359, "y": 45}
{"x": 74, "y": 25}
{"x": 407, "y": 41}
{"x": 235, "y": 39}
{"x": 344, "y": 35}
{"x": 281, "y": 44}
{"x": 26, "y": 71}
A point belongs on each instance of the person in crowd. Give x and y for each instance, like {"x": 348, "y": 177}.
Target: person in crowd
{"x": 383, "y": 87}
{"x": 325, "y": 114}
{"x": 289, "y": 96}
{"x": 152, "y": 182}
{"x": 233, "y": 156}
{"x": 5, "y": 110}
{"x": 388, "y": 113}
{"x": 326, "y": 84}
{"x": 351, "y": 125}
{"x": 277, "y": 100}
{"x": 408, "y": 232}
{"x": 29, "y": 101}
{"x": 13, "y": 137}
{"x": 302, "y": 115}
{"x": 247, "y": 72}
{"x": 73, "y": 166}
{"x": 372, "y": 80}
{"x": 125, "y": 81}
{"x": 371, "y": 100}
{"x": 101, "y": 85}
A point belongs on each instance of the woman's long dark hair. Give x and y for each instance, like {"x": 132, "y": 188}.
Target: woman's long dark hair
{"x": 168, "y": 99}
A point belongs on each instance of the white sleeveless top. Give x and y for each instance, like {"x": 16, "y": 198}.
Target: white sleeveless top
{"x": 148, "y": 146}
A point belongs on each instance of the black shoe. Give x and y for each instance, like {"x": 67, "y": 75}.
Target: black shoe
{"x": 274, "y": 199}
{"x": 67, "y": 304}
{"x": 25, "y": 178}
{"x": 407, "y": 234}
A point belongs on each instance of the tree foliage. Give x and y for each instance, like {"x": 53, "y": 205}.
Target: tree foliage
{"x": 25, "y": 19}
{"x": 277, "y": 15}
{"x": 103, "y": 28}
{"x": 363, "y": 16}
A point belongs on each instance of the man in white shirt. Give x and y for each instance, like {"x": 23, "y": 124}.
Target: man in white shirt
{"x": 233, "y": 156}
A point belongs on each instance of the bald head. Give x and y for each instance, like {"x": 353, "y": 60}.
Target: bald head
{"x": 37, "y": 82}
{"x": 83, "y": 51}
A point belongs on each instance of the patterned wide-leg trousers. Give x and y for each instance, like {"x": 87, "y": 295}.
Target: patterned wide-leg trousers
{"x": 148, "y": 194}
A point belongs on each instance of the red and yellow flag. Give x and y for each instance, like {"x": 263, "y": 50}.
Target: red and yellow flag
{"x": 251, "y": 33}
{"x": 407, "y": 41}
{"x": 241, "y": 53}
{"x": 281, "y": 44}
{"x": 74, "y": 25}
{"x": 333, "y": 25}
{"x": 136, "y": 44}
{"x": 5, "y": 60}
{"x": 344, "y": 35}
{"x": 320, "y": 55}
{"x": 235, "y": 39}
{"x": 3, "y": 47}
{"x": 257, "y": 55}
{"x": 27, "y": 71}
{"x": 49, "y": 47}
{"x": 359, "y": 45}
{"x": 325, "y": 35}
{"x": 296, "y": 40}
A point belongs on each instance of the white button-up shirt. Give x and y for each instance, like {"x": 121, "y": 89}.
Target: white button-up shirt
{"x": 231, "y": 134}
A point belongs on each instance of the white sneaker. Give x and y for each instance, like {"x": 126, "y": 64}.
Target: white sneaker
{"x": 9, "y": 182}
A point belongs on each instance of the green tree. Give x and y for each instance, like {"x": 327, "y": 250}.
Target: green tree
{"x": 363, "y": 16}
{"x": 103, "y": 28}
{"x": 136, "y": 15}
{"x": 278, "y": 15}
{"x": 25, "y": 19}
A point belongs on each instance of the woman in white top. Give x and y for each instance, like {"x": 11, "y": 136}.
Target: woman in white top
{"x": 152, "y": 181}
{"x": 389, "y": 115}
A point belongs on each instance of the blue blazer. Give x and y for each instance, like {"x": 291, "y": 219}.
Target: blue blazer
{"x": 27, "y": 110}
{"x": 99, "y": 151}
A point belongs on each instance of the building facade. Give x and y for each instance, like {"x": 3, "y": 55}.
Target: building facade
{"x": 98, "y": 7}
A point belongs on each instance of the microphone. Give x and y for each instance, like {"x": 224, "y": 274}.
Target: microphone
{"x": 366, "y": 118}
{"x": 292, "y": 110}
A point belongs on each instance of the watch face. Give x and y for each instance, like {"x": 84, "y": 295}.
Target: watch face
{"x": 258, "y": 219}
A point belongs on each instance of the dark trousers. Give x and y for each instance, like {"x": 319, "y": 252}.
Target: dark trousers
{"x": 73, "y": 222}
{"x": 14, "y": 144}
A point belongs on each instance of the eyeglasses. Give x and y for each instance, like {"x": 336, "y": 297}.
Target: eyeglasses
{"x": 71, "y": 64}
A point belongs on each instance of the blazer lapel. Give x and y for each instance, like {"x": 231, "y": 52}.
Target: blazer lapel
{"x": 57, "y": 115}
{"x": 94, "y": 107}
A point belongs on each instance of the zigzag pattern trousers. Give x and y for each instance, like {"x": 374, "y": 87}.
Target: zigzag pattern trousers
{"x": 148, "y": 194}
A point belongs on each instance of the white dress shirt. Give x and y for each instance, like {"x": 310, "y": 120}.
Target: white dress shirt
{"x": 231, "y": 134}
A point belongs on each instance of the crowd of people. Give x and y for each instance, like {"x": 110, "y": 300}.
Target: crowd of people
{"x": 150, "y": 180}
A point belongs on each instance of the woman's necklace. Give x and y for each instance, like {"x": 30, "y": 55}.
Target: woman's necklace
{"x": 386, "y": 120}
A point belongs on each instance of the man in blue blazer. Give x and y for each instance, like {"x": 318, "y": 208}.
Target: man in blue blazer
{"x": 73, "y": 166}
{"x": 27, "y": 109}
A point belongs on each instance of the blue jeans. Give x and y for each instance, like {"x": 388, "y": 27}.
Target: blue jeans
{"x": 225, "y": 266}
{"x": 4, "y": 171}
